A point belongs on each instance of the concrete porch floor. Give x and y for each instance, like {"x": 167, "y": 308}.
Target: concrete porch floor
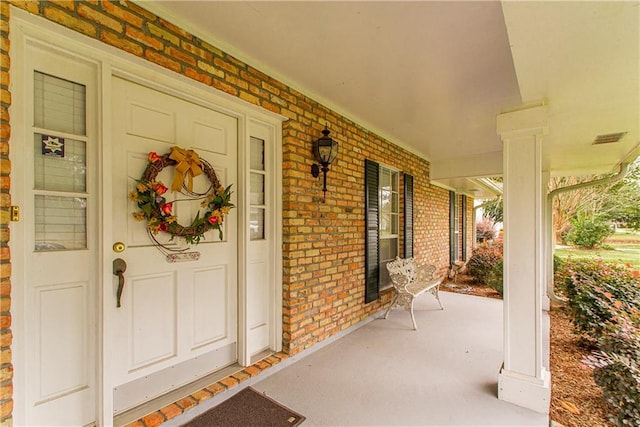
{"x": 386, "y": 374}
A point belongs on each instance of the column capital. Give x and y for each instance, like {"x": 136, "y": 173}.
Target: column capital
{"x": 522, "y": 122}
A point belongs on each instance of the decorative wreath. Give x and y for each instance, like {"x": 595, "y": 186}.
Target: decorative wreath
{"x": 157, "y": 211}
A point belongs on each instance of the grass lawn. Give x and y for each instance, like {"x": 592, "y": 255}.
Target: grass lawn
{"x": 623, "y": 246}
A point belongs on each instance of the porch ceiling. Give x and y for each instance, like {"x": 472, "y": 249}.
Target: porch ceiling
{"x": 432, "y": 76}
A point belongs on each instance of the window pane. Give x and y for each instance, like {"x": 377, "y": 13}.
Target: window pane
{"x": 59, "y": 164}
{"x": 386, "y": 225}
{"x": 389, "y": 205}
{"x": 385, "y": 279}
{"x": 257, "y": 189}
{"x": 385, "y": 200}
{"x": 394, "y": 224}
{"x": 257, "y": 154}
{"x": 256, "y": 224}
{"x": 60, "y": 223}
{"x": 388, "y": 249}
{"x": 395, "y": 206}
{"x": 388, "y": 252}
{"x": 384, "y": 249}
{"x": 385, "y": 180}
{"x": 59, "y": 104}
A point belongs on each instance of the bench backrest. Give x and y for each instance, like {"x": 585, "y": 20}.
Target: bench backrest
{"x": 403, "y": 267}
{"x": 405, "y": 270}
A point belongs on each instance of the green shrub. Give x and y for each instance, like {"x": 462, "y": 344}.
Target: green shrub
{"x": 584, "y": 282}
{"x": 562, "y": 271}
{"x": 587, "y": 232}
{"x": 616, "y": 364}
{"x": 558, "y": 263}
{"x": 485, "y": 257}
{"x": 604, "y": 300}
{"x": 495, "y": 277}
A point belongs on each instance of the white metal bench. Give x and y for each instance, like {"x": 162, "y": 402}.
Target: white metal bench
{"x": 410, "y": 281}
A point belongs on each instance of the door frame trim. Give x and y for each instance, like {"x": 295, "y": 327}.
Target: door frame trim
{"x": 110, "y": 61}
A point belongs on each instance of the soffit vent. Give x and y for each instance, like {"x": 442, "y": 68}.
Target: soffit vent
{"x": 609, "y": 138}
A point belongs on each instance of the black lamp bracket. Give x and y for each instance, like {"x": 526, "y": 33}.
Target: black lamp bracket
{"x": 315, "y": 170}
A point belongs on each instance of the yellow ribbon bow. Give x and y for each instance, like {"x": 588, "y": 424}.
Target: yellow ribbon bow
{"x": 188, "y": 166}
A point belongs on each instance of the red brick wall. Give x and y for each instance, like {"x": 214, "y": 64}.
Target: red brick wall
{"x": 6, "y": 368}
{"x": 323, "y": 243}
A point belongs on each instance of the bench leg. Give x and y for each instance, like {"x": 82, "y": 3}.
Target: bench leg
{"x": 413, "y": 318}
{"x": 437, "y": 295}
{"x": 393, "y": 303}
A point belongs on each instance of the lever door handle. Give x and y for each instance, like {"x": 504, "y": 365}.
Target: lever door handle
{"x": 119, "y": 267}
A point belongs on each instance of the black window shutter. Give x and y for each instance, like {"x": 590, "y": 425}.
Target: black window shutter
{"x": 452, "y": 228}
{"x": 408, "y": 215}
{"x": 463, "y": 209}
{"x": 371, "y": 218}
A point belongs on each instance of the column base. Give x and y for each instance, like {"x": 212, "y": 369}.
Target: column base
{"x": 525, "y": 391}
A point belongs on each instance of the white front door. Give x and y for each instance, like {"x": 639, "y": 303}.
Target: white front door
{"x": 177, "y": 321}
{"x": 56, "y": 242}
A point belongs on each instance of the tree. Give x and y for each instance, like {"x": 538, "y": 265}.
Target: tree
{"x": 485, "y": 230}
{"x": 565, "y": 205}
{"x": 624, "y": 206}
{"x": 617, "y": 202}
{"x": 493, "y": 210}
{"x": 568, "y": 205}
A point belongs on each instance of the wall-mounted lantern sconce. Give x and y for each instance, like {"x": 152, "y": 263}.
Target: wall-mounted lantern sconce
{"x": 325, "y": 151}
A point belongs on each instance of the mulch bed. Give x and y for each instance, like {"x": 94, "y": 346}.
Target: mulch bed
{"x": 572, "y": 385}
{"x": 576, "y": 400}
{"x": 466, "y": 285}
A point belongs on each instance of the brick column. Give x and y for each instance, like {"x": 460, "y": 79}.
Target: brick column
{"x": 6, "y": 337}
{"x": 523, "y": 379}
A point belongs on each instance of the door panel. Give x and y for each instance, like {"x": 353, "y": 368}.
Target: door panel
{"x": 65, "y": 369}
{"x": 209, "y": 137}
{"x": 258, "y": 316}
{"x": 152, "y": 316}
{"x": 150, "y": 122}
{"x": 210, "y": 296}
{"x": 178, "y": 320}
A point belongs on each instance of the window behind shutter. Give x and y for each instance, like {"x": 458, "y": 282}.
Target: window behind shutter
{"x": 463, "y": 208}
{"x": 408, "y": 216}
{"x": 453, "y": 247}
{"x": 371, "y": 217}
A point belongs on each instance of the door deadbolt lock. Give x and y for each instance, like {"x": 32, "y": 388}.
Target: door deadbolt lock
{"x": 119, "y": 247}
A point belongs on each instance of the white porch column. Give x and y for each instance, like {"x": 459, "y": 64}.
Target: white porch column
{"x": 523, "y": 379}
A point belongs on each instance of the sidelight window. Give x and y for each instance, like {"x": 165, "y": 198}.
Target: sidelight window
{"x": 257, "y": 189}
{"x": 60, "y": 164}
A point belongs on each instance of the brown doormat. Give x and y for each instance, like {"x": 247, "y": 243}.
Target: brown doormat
{"x": 248, "y": 408}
